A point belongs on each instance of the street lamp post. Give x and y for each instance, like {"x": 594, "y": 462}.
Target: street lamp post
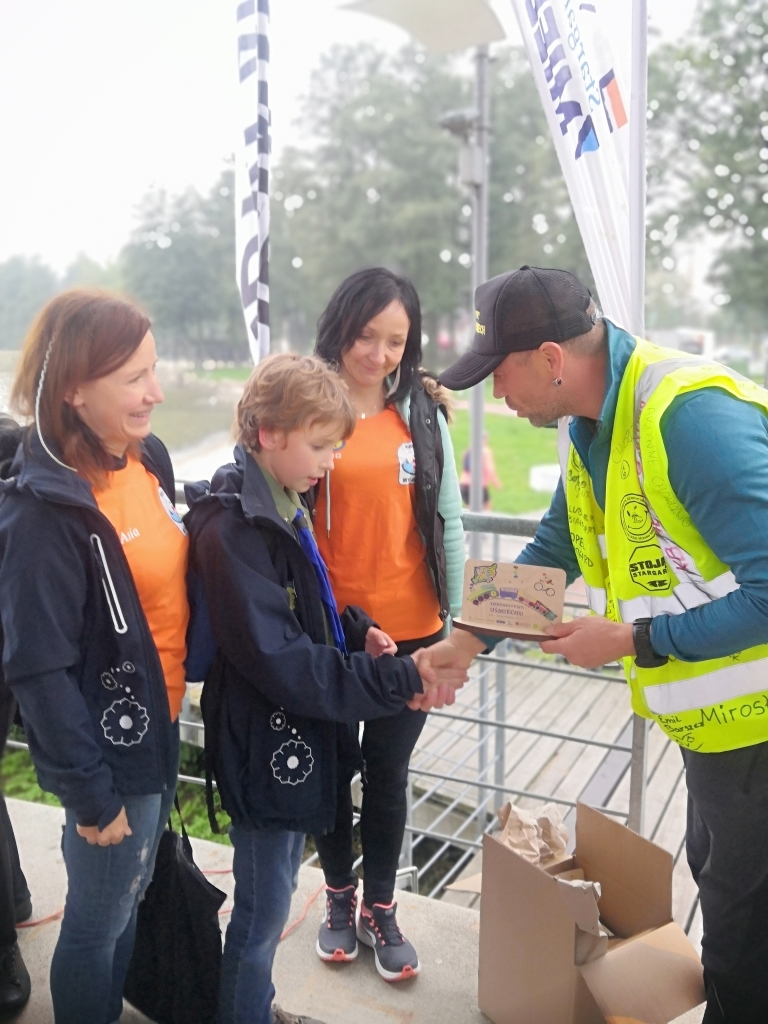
{"x": 443, "y": 26}
{"x": 479, "y": 275}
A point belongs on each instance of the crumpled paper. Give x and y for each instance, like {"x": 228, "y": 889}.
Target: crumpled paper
{"x": 535, "y": 836}
{"x": 581, "y": 898}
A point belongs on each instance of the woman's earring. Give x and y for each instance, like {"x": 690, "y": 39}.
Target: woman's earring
{"x": 557, "y": 381}
{"x": 395, "y": 384}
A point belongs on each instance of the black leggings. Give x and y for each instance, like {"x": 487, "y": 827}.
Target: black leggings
{"x": 387, "y": 746}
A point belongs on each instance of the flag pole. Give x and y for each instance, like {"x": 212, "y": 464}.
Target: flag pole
{"x": 479, "y": 276}
{"x": 637, "y": 128}
{"x": 637, "y": 185}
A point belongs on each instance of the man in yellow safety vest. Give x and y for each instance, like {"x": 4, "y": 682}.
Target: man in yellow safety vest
{"x": 662, "y": 507}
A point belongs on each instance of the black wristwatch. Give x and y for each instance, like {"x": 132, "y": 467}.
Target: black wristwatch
{"x": 645, "y": 656}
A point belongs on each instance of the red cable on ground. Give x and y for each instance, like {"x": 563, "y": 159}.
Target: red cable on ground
{"x": 222, "y": 913}
{"x": 303, "y": 914}
{"x": 299, "y": 919}
{"x": 41, "y": 920}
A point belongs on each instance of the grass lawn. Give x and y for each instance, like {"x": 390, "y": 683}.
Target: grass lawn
{"x": 17, "y": 780}
{"x": 516, "y": 446}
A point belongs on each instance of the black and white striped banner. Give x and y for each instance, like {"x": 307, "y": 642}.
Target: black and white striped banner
{"x": 252, "y": 173}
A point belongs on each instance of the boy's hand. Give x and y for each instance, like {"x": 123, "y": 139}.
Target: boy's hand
{"x": 377, "y": 642}
{"x": 113, "y": 834}
{"x": 435, "y": 697}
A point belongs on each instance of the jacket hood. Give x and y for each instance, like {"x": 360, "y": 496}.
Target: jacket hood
{"x": 11, "y": 434}
{"x": 31, "y": 468}
{"x": 238, "y": 482}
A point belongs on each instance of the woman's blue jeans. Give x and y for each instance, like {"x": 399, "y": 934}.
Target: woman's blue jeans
{"x": 105, "y": 884}
{"x": 266, "y": 869}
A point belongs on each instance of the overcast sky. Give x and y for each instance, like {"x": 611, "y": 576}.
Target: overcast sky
{"x": 100, "y": 101}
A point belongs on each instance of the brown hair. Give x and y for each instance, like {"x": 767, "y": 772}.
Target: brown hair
{"x": 289, "y": 391}
{"x": 80, "y": 336}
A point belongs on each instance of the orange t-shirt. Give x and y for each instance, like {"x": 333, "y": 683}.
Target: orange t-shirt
{"x": 375, "y": 553}
{"x": 155, "y": 543}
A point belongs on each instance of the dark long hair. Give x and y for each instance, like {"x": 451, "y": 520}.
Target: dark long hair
{"x": 357, "y": 300}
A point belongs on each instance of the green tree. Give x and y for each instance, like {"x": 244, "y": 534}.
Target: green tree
{"x": 25, "y": 286}
{"x": 531, "y": 218}
{"x": 708, "y": 148}
{"x": 179, "y": 264}
{"x": 377, "y": 183}
{"x": 85, "y": 272}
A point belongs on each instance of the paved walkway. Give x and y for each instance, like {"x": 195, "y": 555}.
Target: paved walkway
{"x": 446, "y": 937}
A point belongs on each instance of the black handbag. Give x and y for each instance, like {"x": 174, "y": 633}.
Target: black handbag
{"x": 173, "y": 976}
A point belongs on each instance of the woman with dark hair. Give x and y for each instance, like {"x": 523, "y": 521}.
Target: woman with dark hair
{"x": 94, "y": 615}
{"x": 388, "y": 524}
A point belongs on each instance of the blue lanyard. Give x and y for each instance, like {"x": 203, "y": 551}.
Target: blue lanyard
{"x": 310, "y": 549}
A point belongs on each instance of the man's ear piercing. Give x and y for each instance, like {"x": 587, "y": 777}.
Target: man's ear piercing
{"x": 557, "y": 381}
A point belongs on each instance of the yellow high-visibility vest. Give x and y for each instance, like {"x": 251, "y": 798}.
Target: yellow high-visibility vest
{"x": 644, "y": 557}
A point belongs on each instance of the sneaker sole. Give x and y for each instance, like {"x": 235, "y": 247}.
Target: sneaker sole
{"x": 338, "y": 956}
{"x": 369, "y": 940}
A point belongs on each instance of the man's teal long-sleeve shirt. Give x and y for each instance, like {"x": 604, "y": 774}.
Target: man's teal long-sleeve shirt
{"x": 717, "y": 447}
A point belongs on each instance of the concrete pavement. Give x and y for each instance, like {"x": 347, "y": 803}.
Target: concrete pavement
{"x": 445, "y": 935}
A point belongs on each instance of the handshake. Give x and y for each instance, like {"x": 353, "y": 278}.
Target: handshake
{"x": 442, "y": 667}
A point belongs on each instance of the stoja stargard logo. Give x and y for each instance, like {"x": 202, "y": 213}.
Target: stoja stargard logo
{"x": 559, "y": 72}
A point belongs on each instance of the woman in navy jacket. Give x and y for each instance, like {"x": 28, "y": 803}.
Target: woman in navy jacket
{"x": 79, "y": 653}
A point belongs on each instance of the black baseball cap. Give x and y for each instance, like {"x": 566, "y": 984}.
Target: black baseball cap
{"x": 517, "y": 312}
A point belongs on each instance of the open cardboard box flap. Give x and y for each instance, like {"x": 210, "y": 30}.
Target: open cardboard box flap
{"x": 527, "y": 974}
{"x": 619, "y": 981}
{"x": 635, "y": 874}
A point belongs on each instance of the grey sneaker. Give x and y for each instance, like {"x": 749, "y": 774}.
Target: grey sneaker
{"x": 395, "y": 957}
{"x": 336, "y": 939}
{"x": 280, "y": 1016}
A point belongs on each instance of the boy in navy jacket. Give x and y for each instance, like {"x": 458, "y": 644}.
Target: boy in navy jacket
{"x": 291, "y": 678}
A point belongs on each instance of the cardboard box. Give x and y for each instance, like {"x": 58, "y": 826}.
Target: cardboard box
{"x": 650, "y": 974}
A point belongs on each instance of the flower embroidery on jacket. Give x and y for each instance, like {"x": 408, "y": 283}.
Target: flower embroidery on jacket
{"x": 108, "y": 681}
{"x": 125, "y": 722}
{"x": 278, "y": 721}
{"x": 292, "y": 762}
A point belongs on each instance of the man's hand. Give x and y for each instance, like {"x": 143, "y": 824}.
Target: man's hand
{"x": 458, "y": 650}
{"x": 443, "y": 668}
{"x": 377, "y": 642}
{"x": 113, "y": 834}
{"x": 440, "y": 673}
{"x": 590, "y": 641}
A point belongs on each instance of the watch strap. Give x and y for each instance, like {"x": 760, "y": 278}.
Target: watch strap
{"x": 645, "y": 656}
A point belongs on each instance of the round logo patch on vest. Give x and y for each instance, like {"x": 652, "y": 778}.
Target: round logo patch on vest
{"x": 636, "y": 519}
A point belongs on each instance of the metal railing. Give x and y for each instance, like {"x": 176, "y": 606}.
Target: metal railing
{"x": 474, "y": 797}
{"x": 460, "y": 800}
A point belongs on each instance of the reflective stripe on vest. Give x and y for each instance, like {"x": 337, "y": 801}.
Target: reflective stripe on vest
{"x": 717, "y": 687}
{"x": 644, "y": 556}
